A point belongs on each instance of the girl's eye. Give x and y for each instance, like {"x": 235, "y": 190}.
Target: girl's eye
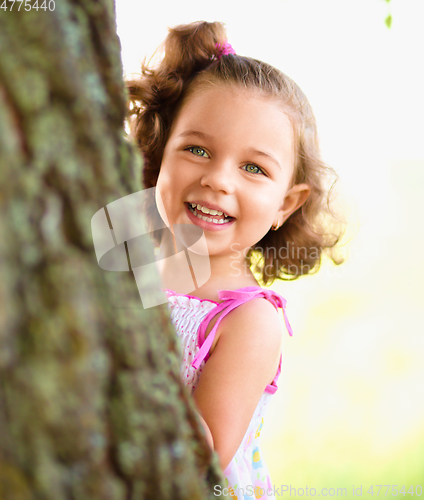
{"x": 198, "y": 151}
{"x": 254, "y": 169}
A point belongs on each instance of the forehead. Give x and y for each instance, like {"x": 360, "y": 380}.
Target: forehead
{"x": 213, "y": 101}
{"x": 210, "y": 89}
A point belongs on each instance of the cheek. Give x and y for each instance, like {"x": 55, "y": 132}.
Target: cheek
{"x": 164, "y": 181}
{"x": 168, "y": 173}
{"x": 163, "y": 194}
{"x": 262, "y": 205}
{"x": 169, "y": 189}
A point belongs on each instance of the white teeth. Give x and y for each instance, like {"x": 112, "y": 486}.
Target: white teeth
{"x": 207, "y": 210}
{"x": 208, "y": 219}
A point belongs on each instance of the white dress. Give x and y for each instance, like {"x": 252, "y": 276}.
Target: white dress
{"x": 247, "y": 476}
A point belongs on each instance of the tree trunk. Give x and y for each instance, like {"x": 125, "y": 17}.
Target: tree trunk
{"x": 91, "y": 402}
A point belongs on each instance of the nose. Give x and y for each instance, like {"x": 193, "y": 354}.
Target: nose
{"x": 220, "y": 176}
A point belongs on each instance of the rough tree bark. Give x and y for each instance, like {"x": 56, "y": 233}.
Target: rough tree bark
{"x": 91, "y": 402}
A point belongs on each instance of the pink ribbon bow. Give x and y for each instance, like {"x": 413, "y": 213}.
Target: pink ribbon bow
{"x": 274, "y": 298}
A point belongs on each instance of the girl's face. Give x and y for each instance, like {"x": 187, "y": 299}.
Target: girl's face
{"x": 230, "y": 150}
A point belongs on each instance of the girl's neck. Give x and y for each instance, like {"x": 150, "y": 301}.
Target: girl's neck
{"x": 226, "y": 273}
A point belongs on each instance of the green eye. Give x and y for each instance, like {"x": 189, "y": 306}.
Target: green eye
{"x": 254, "y": 169}
{"x": 198, "y": 151}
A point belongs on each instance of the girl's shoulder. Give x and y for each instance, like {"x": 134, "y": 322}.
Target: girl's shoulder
{"x": 250, "y": 314}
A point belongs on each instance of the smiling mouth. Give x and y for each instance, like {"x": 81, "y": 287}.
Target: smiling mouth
{"x": 216, "y": 219}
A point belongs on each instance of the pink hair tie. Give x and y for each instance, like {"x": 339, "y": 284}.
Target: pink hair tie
{"x": 224, "y": 49}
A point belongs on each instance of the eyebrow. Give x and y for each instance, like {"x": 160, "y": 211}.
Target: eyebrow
{"x": 202, "y": 135}
{"x": 262, "y": 153}
{"x": 208, "y": 137}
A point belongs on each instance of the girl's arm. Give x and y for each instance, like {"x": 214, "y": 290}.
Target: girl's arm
{"x": 244, "y": 361}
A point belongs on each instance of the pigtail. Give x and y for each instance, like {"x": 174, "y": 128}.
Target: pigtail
{"x": 190, "y": 48}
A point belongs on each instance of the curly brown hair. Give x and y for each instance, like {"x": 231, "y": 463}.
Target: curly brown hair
{"x": 191, "y": 59}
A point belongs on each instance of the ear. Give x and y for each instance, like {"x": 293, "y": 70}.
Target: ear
{"x": 295, "y": 198}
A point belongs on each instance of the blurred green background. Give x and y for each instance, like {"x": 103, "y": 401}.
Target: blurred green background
{"x": 350, "y": 406}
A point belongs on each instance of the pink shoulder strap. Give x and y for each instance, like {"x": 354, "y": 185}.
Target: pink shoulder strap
{"x": 232, "y": 299}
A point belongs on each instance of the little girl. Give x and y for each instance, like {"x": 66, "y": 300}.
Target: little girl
{"x": 230, "y": 144}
